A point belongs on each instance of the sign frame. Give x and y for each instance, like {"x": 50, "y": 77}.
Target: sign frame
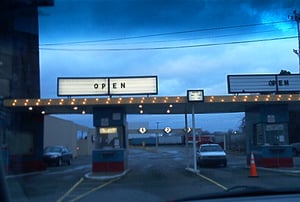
{"x": 263, "y": 83}
{"x": 107, "y": 87}
{"x": 60, "y": 94}
{"x": 195, "y": 95}
{"x": 154, "y": 92}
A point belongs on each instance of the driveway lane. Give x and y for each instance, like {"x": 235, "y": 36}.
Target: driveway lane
{"x": 155, "y": 175}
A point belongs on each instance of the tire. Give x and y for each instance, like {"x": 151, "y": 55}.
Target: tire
{"x": 59, "y": 162}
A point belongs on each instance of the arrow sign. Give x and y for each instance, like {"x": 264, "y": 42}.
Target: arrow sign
{"x": 167, "y": 130}
{"x": 142, "y": 130}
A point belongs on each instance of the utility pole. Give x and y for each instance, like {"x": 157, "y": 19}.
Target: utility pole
{"x": 156, "y": 135}
{"x": 296, "y": 18}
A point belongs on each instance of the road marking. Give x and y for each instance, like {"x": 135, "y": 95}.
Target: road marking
{"x": 212, "y": 181}
{"x": 70, "y": 190}
{"x": 294, "y": 174}
{"x": 94, "y": 189}
{"x": 85, "y": 193}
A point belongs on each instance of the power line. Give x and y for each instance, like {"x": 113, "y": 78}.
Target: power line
{"x": 164, "y": 34}
{"x": 197, "y": 38}
{"x": 170, "y": 47}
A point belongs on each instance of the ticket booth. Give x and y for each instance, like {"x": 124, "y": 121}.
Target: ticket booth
{"x": 110, "y": 153}
{"x": 268, "y": 139}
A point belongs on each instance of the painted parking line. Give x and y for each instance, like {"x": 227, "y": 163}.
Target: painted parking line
{"x": 293, "y": 174}
{"x": 70, "y": 190}
{"x": 212, "y": 181}
{"x": 76, "y": 198}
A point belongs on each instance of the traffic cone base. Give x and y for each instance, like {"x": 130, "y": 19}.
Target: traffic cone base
{"x": 253, "y": 172}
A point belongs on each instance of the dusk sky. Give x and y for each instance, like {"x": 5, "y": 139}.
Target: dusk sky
{"x": 188, "y": 44}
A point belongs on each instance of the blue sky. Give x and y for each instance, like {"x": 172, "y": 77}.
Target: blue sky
{"x": 188, "y": 44}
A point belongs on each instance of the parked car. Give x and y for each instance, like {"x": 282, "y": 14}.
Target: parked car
{"x": 296, "y": 148}
{"x": 57, "y": 155}
{"x": 211, "y": 154}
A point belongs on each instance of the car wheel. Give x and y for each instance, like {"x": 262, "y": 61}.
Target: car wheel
{"x": 59, "y": 162}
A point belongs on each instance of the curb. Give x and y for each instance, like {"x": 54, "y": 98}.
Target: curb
{"x": 276, "y": 170}
{"x": 25, "y": 174}
{"x": 97, "y": 176}
{"x": 280, "y": 170}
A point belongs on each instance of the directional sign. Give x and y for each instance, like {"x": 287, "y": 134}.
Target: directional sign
{"x": 142, "y": 130}
{"x": 188, "y": 130}
{"x": 167, "y": 130}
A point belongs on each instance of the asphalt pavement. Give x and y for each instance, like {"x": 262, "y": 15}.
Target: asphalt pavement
{"x": 154, "y": 174}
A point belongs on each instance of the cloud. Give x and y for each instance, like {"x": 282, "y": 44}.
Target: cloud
{"x": 177, "y": 69}
{"x": 95, "y": 19}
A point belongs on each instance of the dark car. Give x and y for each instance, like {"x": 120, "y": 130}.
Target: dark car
{"x": 57, "y": 155}
{"x": 211, "y": 154}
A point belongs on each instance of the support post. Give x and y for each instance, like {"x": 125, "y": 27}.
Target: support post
{"x": 194, "y": 138}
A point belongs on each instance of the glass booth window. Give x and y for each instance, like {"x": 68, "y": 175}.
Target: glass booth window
{"x": 276, "y": 134}
{"x": 270, "y": 134}
{"x": 108, "y": 138}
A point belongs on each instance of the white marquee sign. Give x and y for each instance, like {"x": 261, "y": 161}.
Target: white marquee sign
{"x": 107, "y": 86}
{"x": 263, "y": 83}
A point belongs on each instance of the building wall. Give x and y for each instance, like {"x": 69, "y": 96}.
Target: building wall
{"x": 20, "y": 78}
{"x": 64, "y": 132}
{"x": 86, "y": 145}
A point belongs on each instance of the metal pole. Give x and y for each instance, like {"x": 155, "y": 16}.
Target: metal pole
{"x": 298, "y": 42}
{"x": 225, "y": 142}
{"x": 194, "y": 137}
{"x": 186, "y": 141}
{"x": 156, "y": 136}
{"x": 296, "y": 18}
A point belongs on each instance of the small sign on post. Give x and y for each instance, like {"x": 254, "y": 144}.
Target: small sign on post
{"x": 194, "y": 96}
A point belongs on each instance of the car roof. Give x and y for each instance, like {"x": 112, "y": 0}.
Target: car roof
{"x": 207, "y": 145}
{"x": 61, "y": 146}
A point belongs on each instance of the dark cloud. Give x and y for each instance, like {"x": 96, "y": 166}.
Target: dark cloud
{"x": 167, "y": 14}
{"x": 126, "y": 17}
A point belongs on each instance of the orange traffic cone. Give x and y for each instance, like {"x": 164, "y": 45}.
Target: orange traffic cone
{"x": 253, "y": 172}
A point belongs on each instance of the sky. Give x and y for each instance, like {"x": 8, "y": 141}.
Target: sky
{"x": 188, "y": 44}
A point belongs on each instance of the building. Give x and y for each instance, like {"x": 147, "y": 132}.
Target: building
{"x": 79, "y": 139}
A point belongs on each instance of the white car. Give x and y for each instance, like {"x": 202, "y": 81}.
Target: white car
{"x": 211, "y": 154}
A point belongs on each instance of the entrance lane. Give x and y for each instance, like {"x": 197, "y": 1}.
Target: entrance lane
{"x": 155, "y": 175}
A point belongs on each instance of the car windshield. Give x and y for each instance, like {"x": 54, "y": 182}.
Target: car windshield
{"x": 212, "y": 148}
{"x": 53, "y": 149}
{"x": 131, "y": 92}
